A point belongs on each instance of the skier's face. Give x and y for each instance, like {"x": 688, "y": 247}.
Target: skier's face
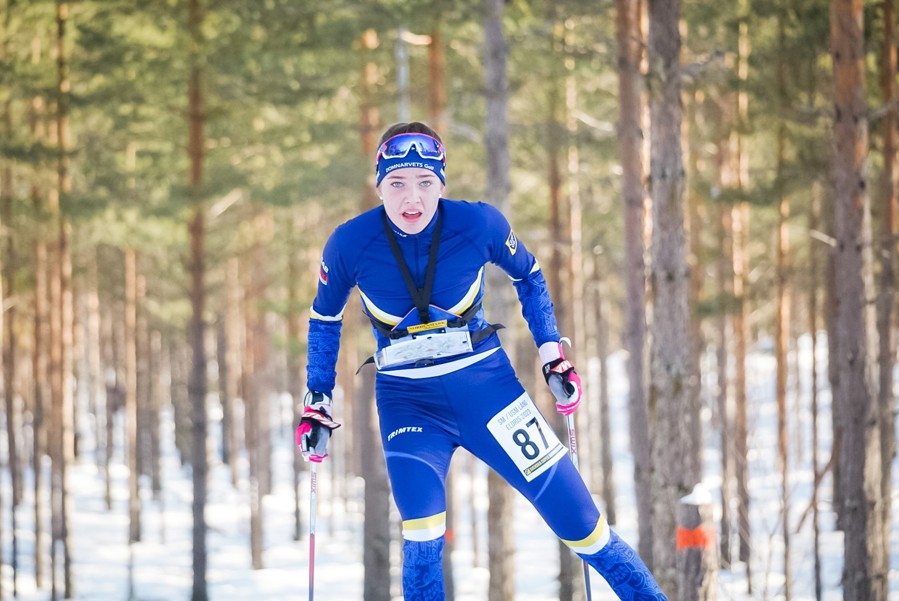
{"x": 410, "y": 197}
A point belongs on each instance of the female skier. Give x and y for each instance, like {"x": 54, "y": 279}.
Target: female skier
{"x": 443, "y": 380}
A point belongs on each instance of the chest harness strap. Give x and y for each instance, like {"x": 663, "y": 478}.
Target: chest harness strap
{"x": 421, "y": 297}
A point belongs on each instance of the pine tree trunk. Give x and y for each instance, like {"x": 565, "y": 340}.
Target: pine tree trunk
{"x": 781, "y": 351}
{"x": 887, "y": 293}
{"x": 61, "y": 343}
{"x": 605, "y": 429}
{"x": 254, "y": 389}
{"x": 250, "y": 394}
{"x": 557, "y": 277}
{"x": 740, "y": 257}
{"x": 3, "y": 385}
{"x": 142, "y": 346}
{"x": 831, "y": 304}
{"x": 630, "y": 141}
{"x": 437, "y": 112}
{"x": 8, "y": 335}
{"x": 295, "y": 377}
{"x": 500, "y": 553}
{"x": 40, "y": 348}
{"x": 196, "y": 230}
{"x": 813, "y": 268}
{"x": 179, "y": 357}
{"x": 782, "y": 317}
{"x": 675, "y": 469}
{"x": 154, "y": 409}
{"x": 5, "y": 267}
{"x": 376, "y": 529}
{"x": 133, "y": 449}
{"x": 94, "y": 356}
{"x": 230, "y": 376}
{"x": 695, "y": 215}
{"x": 222, "y": 374}
{"x": 864, "y": 563}
{"x": 110, "y": 324}
{"x": 724, "y": 277}
{"x": 40, "y": 397}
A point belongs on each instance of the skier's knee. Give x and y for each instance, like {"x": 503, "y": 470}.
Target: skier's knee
{"x": 593, "y": 542}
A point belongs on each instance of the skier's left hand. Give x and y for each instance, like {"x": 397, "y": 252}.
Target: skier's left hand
{"x": 561, "y": 377}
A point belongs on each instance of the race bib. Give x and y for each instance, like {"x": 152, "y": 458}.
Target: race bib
{"x": 526, "y": 437}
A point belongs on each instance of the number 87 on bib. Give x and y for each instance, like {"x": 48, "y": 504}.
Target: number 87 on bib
{"x": 526, "y": 437}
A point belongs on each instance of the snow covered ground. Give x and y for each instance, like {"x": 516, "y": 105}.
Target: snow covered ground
{"x": 162, "y": 561}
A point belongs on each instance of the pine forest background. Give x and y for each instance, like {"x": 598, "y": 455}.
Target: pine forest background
{"x": 699, "y": 179}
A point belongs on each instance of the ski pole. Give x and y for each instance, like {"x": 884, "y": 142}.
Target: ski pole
{"x": 572, "y": 452}
{"x": 312, "y": 494}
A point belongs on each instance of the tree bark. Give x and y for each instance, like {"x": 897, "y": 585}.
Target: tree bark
{"x": 295, "y": 377}
{"x": 131, "y": 411}
{"x": 813, "y": 268}
{"x": 696, "y": 557}
{"x": 630, "y": 142}
{"x": 94, "y": 339}
{"x": 254, "y": 393}
{"x": 740, "y": 257}
{"x": 500, "y": 553}
{"x": 864, "y": 563}
{"x": 3, "y": 385}
{"x": 605, "y": 418}
{"x": 196, "y": 231}
{"x": 40, "y": 349}
{"x": 887, "y": 293}
{"x": 61, "y": 321}
{"x": 782, "y": 317}
{"x": 8, "y": 332}
{"x": 230, "y": 376}
{"x": 376, "y": 529}
{"x": 724, "y": 277}
{"x": 671, "y": 390}
{"x": 557, "y": 277}
{"x": 154, "y": 409}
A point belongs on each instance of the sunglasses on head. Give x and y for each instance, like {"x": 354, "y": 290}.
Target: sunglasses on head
{"x": 399, "y": 146}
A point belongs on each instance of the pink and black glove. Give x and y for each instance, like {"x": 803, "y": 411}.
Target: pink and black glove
{"x": 563, "y": 381}
{"x": 315, "y": 427}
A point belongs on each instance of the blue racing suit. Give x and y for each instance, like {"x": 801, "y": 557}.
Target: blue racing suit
{"x": 474, "y": 400}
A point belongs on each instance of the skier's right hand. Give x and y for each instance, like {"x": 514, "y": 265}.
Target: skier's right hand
{"x": 563, "y": 380}
{"x": 315, "y": 427}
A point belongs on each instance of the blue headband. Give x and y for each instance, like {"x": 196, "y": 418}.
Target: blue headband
{"x": 412, "y": 159}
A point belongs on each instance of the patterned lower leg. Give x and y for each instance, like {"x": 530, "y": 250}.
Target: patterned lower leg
{"x": 423, "y": 570}
{"x": 625, "y": 571}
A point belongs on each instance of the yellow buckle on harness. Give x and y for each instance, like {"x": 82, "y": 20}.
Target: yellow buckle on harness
{"x": 424, "y": 327}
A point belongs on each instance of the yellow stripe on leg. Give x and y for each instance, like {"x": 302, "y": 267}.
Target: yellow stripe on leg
{"x": 595, "y": 541}
{"x": 427, "y": 528}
